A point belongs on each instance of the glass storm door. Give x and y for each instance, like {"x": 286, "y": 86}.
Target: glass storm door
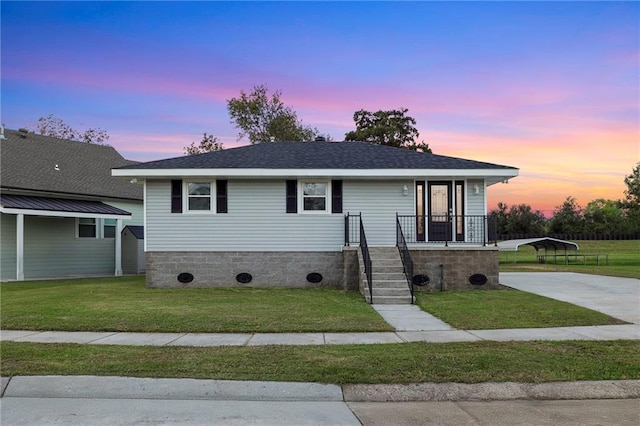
{"x": 440, "y": 209}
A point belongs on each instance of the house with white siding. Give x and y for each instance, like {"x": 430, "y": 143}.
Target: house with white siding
{"x": 61, "y": 211}
{"x": 302, "y": 214}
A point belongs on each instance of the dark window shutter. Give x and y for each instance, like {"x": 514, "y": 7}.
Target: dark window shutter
{"x": 292, "y": 196}
{"x": 176, "y": 196}
{"x": 336, "y": 196}
{"x": 221, "y": 196}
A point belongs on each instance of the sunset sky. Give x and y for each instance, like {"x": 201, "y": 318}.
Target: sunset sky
{"x": 550, "y": 88}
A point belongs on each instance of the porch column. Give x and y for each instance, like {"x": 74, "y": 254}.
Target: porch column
{"x": 118, "y": 271}
{"x": 20, "y": 247}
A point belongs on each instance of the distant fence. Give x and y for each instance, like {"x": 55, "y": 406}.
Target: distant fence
{"x": 503, "y": 237}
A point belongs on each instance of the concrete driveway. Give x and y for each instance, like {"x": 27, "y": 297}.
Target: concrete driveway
{"x": 617, "y": 297}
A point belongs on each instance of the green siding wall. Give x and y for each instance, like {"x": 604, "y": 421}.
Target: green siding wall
{"x": 7, "y": 247}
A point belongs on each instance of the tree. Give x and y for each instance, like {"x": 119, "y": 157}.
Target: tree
{"x": 567, "y": 218}
{"x": 604, "y": 217}
{"x": 57, "y": 128}
{"x": 391, "y": 128}
{"x": 631, "y": 203}
{"x": 632, "y": 193}
{"x": 262, "y": 117}
{"x": 518, "y": 219}
{"x": 500, "y": 213}
{"x": 208, "y": 143}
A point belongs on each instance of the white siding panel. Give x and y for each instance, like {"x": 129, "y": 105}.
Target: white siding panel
{"x": 475, "y": 202}
{"x": 379, "y": 201}
{"x": 256, "y": 221}
{"x": 136, "y": 210}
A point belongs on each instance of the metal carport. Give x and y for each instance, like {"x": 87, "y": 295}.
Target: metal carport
{"x": 545, "y": 243}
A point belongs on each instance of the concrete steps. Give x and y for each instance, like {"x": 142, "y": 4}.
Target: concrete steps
{"x": 389, "y": 284}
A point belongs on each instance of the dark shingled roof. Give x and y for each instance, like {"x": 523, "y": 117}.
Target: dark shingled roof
{"x": 28, "y": 162}
{"x": 58, "y": 205}
{"x": 316, "y": 155}
{"x": 136, "y": 230}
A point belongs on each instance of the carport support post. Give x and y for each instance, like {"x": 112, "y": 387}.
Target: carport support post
{"x": 19, "y": 247}
{"x": 118, "y": 271}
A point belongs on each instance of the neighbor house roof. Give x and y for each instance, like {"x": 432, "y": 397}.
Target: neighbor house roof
{"x": 276, "y": 158}
{"x": 31, "y": 162}
{"x": 40, "y": 204}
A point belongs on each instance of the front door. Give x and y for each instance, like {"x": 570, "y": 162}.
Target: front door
{"x": 440, "y": 211}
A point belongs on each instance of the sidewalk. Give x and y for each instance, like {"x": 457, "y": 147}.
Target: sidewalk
{"x": 604, "y": 332}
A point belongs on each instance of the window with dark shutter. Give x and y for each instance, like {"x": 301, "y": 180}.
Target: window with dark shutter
{"x": 292, "y": 196}
{"x": 221, "y": 196}
{"x": 176, "y": 196}
{"x": 336, "y": 196}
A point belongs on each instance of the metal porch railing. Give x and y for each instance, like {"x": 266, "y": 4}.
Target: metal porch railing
{"x": 405, "y": 256}
{"x": 460, "y": 229}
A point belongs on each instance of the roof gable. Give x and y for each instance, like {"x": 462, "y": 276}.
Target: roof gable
{"x": 316, "y": 155}
{"x": 41, "y": 163}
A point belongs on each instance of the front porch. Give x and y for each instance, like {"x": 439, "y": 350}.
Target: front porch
{"x": 458, "y": 254}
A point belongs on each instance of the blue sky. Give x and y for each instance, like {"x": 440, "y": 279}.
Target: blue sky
{"x": 552, "y": 88}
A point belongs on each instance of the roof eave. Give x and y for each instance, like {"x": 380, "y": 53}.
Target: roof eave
{"x": 492, "y": 175}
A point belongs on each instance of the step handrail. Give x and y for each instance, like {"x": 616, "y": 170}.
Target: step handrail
{"x": 405, "y": 256}
{"x": 366, "y": 257}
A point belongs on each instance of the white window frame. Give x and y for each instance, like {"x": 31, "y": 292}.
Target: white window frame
{"x": 103, "y": 224}
{"x": 301, "y": 196}
{"x": 212, "y": 197}
{"x": 95, "y": 223}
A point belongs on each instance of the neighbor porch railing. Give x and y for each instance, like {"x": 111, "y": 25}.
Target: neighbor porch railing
{"x": 462, "y": 229}
{"x": 405, "y": 256}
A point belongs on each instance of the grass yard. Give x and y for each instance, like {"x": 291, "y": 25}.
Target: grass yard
{"x": 125, "y": 304}
{"x": 624, "y": 259}
{"x": 340, "y": 364}
{"x": 506, "y": 308}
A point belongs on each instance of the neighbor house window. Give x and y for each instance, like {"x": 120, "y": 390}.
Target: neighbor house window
{"x": 86, "y": 227}
{"x": 315, "y": 196}
{"x": 109, "y": 228}
{"x": 199, "y": 196}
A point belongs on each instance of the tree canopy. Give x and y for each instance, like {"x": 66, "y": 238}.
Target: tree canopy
{"x": 57, "y": 128}
{"x": 391, "y": 128}
{"x": 262, "y": 117}
{"x": 207, "y": 144}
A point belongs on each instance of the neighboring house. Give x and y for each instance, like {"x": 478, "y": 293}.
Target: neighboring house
{"x": 61, "y": 210}
{"x": 282, "y": 214}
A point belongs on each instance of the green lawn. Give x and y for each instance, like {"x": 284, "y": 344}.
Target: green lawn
{"x": 507, "y": 308}
{"x": 125, "y": 304}
{"x": 390, "y": 363}
{"x": 624, "y": 259}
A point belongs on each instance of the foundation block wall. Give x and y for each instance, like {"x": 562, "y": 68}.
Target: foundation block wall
{"x": 268, "y": 269}
{"x": 458, "y": 264}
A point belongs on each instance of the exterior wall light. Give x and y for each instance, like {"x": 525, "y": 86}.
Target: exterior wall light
{"x": 405, "y": 190}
